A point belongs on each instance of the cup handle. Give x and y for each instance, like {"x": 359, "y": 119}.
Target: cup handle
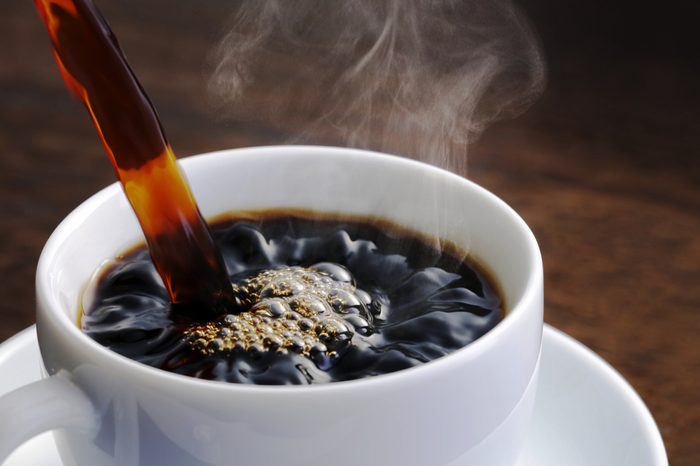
{"x": 51, "y": 403}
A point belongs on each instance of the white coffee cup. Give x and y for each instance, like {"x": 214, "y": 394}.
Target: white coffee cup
{"x": 471, "y": 407}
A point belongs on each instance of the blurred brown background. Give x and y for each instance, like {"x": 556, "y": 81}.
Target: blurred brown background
{"x": 605, "y": 167}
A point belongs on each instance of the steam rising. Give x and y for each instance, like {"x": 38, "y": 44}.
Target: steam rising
{"x": 419, "y": 78}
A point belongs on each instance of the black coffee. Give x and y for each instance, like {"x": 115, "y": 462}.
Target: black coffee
{"x": 327, "y": 299}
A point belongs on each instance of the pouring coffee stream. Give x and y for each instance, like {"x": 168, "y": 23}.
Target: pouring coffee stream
{"x": 180, "y": 244}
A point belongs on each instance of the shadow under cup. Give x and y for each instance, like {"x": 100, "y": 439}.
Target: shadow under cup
{"x": 469, "y": 408}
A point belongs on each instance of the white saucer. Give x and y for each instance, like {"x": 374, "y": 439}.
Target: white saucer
{"x": 586, "y": 414}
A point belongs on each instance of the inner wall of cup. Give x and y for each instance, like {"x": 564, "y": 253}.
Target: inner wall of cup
{"x": 328, "y": 180}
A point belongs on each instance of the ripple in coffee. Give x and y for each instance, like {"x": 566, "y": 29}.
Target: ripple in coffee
{"x": 327, "y": 299}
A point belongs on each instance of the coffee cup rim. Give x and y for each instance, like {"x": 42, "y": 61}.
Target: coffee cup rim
{"x": 53, "y": 308}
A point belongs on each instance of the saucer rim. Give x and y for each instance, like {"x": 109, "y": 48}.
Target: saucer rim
{"x": 558, "y": 338}
{"x": 7, "y": 347}
{"x": 615, "y": 379}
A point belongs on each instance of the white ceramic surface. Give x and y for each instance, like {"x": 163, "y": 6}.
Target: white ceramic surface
{"x": 585, "y": 413}
{"x": 470, "y": 407}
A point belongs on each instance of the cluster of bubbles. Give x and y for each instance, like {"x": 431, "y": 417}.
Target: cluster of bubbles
{"x": 311, "y": 311}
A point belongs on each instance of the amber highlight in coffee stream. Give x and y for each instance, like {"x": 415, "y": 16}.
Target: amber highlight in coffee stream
{"x": 96, "y": 71}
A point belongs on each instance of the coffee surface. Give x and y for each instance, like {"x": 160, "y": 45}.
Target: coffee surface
{"x": 326, "y": 300}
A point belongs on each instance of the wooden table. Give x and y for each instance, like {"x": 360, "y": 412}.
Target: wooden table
{"x": 605, "y": 168}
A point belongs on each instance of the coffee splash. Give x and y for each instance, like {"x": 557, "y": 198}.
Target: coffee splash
{"x": 96, "y": 71}
{"x": 419, "y": 78}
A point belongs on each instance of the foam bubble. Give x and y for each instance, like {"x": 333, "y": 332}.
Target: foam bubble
{"x": 312, "y": 311}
